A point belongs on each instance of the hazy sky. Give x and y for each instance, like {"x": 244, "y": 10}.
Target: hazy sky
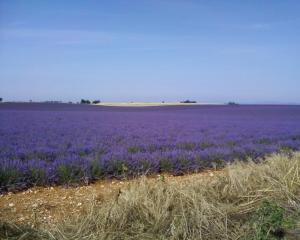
{"x": 150, "y": 50}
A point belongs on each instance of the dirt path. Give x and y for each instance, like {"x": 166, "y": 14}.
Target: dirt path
{"x": 50, "y": 205}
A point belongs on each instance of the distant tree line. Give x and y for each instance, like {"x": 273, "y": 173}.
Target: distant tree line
{"x": 86, "y": 101}
{"x": 188, "y": 101}
{"x": 83, "y": 101}
{"x": 232, "y": 103}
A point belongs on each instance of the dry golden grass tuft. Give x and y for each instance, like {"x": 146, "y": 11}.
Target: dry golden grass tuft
{"x": 227, "y": 206}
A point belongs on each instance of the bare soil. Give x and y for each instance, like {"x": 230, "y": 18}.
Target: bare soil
{"x": 50, "y": 205}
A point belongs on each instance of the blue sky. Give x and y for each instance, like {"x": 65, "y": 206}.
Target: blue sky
{"x": 150, "y": 50}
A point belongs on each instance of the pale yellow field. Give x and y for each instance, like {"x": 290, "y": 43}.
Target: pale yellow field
{"x": 149, "y": 104}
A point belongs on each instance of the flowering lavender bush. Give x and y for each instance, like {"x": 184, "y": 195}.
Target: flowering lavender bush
{"x": 62, "y": 143}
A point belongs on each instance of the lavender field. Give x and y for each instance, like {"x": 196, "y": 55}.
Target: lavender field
{"x": 47, "y": 144}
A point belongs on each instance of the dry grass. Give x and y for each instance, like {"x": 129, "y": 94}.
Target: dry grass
{"x": 225, "y": 207}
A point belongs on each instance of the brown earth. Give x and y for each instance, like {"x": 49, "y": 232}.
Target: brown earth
{"x": 50, "y": 205}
